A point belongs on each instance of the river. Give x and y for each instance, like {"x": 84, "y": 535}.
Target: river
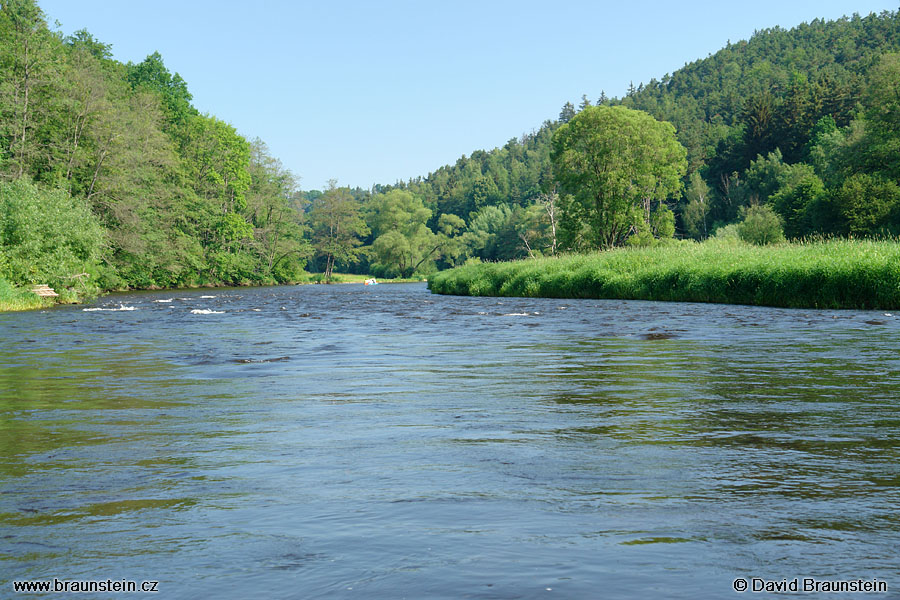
{"x": 365, "y": 442}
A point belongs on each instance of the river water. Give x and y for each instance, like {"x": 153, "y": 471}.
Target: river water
{"x": 383, "y": 442}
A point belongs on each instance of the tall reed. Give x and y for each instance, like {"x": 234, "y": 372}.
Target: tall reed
{"x": 820, "y": 274}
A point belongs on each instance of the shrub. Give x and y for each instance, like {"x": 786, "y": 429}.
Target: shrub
{"x": 48, "y": 237}
{"x": 760, "y": 226}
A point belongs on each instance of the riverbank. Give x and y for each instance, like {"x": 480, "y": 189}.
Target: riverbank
{"x": 13, "y": 298}
{"x": 356, "y": 278}
{"x": 828, "y": 274}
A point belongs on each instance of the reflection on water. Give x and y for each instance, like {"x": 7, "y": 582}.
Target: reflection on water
{"x": 338, "y": 441}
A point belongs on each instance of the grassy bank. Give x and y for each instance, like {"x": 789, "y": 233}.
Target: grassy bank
{"x": 354, "y": 278}
{"x": 13, "y": 298}
{"x": 830, "y": 274}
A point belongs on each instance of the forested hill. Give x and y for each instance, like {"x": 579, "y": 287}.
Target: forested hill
{"x": 754, "y": 96}
{"x": 791, "y": 103}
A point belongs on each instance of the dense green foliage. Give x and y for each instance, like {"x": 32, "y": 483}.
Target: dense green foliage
{"x": 833, "y": 274}
{"x": 793, "y": 133}
{"x": 178, "y": 197}
{"x": 804, "y": 121}
{"x": 48, "y": 237}
{"x": 612, "y": 164}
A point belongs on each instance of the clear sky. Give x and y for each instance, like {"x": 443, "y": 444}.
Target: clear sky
{"x": 378, "y": 91}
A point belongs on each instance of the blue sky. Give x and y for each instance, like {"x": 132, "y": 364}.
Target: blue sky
{"x": 375, "y": 92}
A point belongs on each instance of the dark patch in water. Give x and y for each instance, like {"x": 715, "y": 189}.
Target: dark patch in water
{"x": 294, "y": 561}
{"x": 658, "y": 335}
{"x": 873, "y": 322}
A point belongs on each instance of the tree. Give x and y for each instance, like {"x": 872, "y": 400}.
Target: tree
{"x": 152, "y": 74}
{"x": 492, "y": 233}
{"x": 403, "y": 241}
{"x": 759, "y": 121}
{"x": 337, "y": 227}
{"x": 567, "y": 112}
{"x": 612, "y": 163}
{"x": 48, "y": 237}
{"x": 794, "y": 202}
{"x": 537, "y": 229}
{"x": 82, "y": 39}
{"x": 696, "y": 210}
{"x": 868, "y": 204}
{"x": 278, "y": 229}
{"x": 585, "y": 102}
{"x": 882, "y": 117}
{"x": 760, "y": 226}
{"x": 29, "y": 54}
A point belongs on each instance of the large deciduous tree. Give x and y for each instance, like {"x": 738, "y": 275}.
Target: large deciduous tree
{"x": 278, "y": 227}
{"x": 403, "y": 241}
{"x": 612, "y": 163}
{"x": 29, "y": 72}
{"x": 337, "y": 227}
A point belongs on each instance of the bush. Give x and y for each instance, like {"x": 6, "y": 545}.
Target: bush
{"x": 760, "y": 226}
{"x": 727, "y": 235}
{"x": 48, "y": 237}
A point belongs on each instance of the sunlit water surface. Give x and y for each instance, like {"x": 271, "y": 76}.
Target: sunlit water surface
{"x": 382, "y": 442}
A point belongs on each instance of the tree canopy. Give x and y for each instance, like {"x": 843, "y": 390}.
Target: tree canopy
{"x": 613, "y": 163}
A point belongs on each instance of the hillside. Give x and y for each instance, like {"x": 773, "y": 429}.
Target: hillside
{"x": 792, "y": 102}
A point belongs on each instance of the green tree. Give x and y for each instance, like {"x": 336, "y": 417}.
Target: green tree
{"x": 868, "y": 204}
{"x": 612, "y": 163}
{"x": 493, "y": 233}
{"x": 403, "y": 241}
{"x": 337, "y": 226}
{"x": 882, "y": 117}
{"x": 29, "y": 57}
{"x": 48, "y": 237}
{"x": 760, "y": 225}
{"x": 794, "y": 203}
{"x": 759, "y": 121}
{"x": 278, "y": 227}
{"x": 152, "y": 75}
{"x": 694, "y": 215}
{"x": 83, "y": 40}
{"x": 537, "y": 228}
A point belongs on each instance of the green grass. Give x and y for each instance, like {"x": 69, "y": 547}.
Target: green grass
{"x": 354, "y": 278}
{"x": 829, "y": 274}
{"x": 13, "y": 298}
